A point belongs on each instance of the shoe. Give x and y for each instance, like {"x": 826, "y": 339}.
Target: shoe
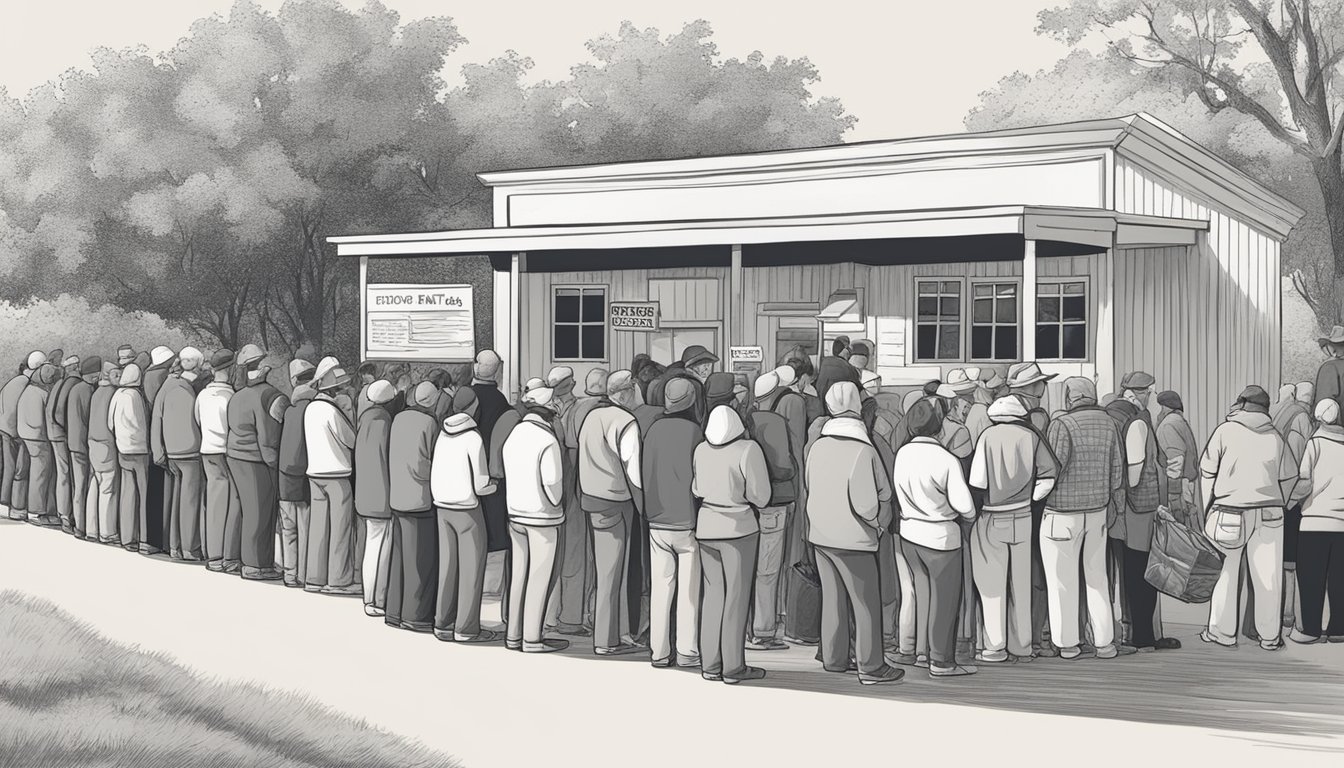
{"x": 1271, "y": 645}
{"x": 1047, "y": 650}
{"x": 1167, "y": 644}
{"x": 1077, "y": 654}
{"x": 743, "y": 675}
{"x": 1116, "y": 650}
{"x": 1289, "y": 621}
{"x": 853, "y": 667}
{"x": 663, "y": 663}
{"x": 687, "y": 662}
{"x": 766, "y": 644}
{"x": 713, "y": 677}
{"x": 293, "y": 584}
{"x": 175, "y": 554}
{"x": 956, "y": 670}
{"x": 442, "y": 635}
{"x": 888, "y": 674}
{"x": 994, "y": 657}
{"x": 1302, "y": 638}
{"x": 373, "y": 610}
{"x": 548, "y": 645}
{"x": 1209, "y": 638}
{"x": 480, "y": 638}
{"x": 262, "y": 574}
{"x": 573, "y": 630}
{"x": 148, "y": 551}
{"x": 624, "y": 649}
{"x": 922, "y": 661}
{"x": 210, "y": 565}
{"x": 353, "y": 589}
{"x": 796, "y": 641}
{"x": 232, "y": 568}
{"x": 904, "y": 659}
{"x": 513, "y": 645}
{"x": 1334, "y": 638}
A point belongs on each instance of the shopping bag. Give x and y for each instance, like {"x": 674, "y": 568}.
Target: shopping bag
{"x": 1182, "y": 563}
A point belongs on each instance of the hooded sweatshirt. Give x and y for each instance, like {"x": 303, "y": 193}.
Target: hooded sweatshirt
{"x": 731, "y": 478}
{"x": 668, "y": 456}
{"x": 373, "y": 484}
{"x": 848, "y": 489}
{"x": 410, "y": 458}
{"x": 535, "y": 469}
{"x": 1011, "y": 463}
{"x": 33, "y": 405}
{"x": 1177, "y": 441}
{"x": 458, "y": 475}
{"x": 1245, "y": 462}
{"x": 1320, "y": 482}
{"x": 1293, "y": 422}
{"x": 128, "y": 415}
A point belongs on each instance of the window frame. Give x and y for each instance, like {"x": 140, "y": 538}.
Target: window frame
{"x": 961, "y": 282}
{"x": 971, "y": 325}
{"x": 581, "y": 324}
{"x": 1086, "y": 322}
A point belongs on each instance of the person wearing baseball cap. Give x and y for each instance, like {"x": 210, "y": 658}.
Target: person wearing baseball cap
{"x": 220, "y": 540}
{"x": 293, "y": 489}
{"x": 253, "y": 451}
{"x": 175, "y": 445}
{"x": 1247, "y": 474}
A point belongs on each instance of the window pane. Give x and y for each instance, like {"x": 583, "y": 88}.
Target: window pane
{"x": 566, "y": 306}
{"x": 1006, "y": 310}
{"x": 566, "y": 342}
{"x": 952, "y": 288}
{"x": 1075, "y": 308}
{"x": 926, "y": 340}
{"x": 928, "y": 288}
{"x": 1075, "y": 289}
{"x": 1005, "y": 289}
{"x": 984, "y": 310}
{"x": 1047, "y": 342}
{"x": 984, "y": 289}
{"x": 1005, "y": 343}
{"x": 594, "y": 342}
{"x": 951, "y": 308}
{"x": 949, "y": 342}
{"x": 1047, "y": 310}
{"x": 1075, "y": 342}
{"x": 594, "y": 307}
{"x": 982, "y": 338}
{"x": 1047, "y": 289}
{"x": 928, "y": 308}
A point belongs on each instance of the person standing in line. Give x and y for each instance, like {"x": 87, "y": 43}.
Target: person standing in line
{"x": 936, "y": 506}
{"x": 1013, "y": 467}
{"x": 491, "y": 404}
{"x": 459, "y": 478}
{"x": 14, "y": 482}
{"x": 977, "y": 417}
{"x": 33, "y": 431}
{"x": 367, "y": 373}
{"x": 412, "y": 591}
{"x": 160, "y": 492}
{"x": 79, "y": 400}
{"x": 609, "y": 481}
{"x": 222, "y": 539}
{"x": 293, "y": 490}
{"x": 128, "y": 421}
{"x": 60, "y": 449}
{"x": 1330, "y": 376}
{"x": 1246, "y": 474}
{"x": 848, "y": 511}
{"x": 1294, "y": 423}
{"x": 253, "y": 451}
{"x": 175, "y": 443}
{"x": 125, "y": 356}
{"x": 373, "y": 493}
{"x": 772, "y": 433}
{"x": 1088, "y": 491}
{"x": 1177, "y": 441}
{"x": 105, "y": 483}
{"x": 561, "y": 381}
{"x": 674, "y": 554}
{"x": 1320, "y": 494}
{"x": 1028, "y": 383}
{"x": 576, "y": 567}
{"x": 329, "y": 439}
{"x": 695, "y": 365}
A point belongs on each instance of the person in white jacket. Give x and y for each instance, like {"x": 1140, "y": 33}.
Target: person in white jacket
{"x": 535, "y": 495}
{"x": 459, "y": 476}
{"x": 330, "y": 440}
{"x": 128, "y": 420}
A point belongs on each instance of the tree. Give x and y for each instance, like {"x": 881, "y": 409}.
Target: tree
{"x": 1274, "y": 62}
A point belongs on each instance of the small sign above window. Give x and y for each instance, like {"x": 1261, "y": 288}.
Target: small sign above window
{"x": 634, "y": 316}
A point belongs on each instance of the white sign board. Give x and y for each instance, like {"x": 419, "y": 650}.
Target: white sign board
{"x": 634, "y": 316}
{"x": 419, "y": 322}
{"x": 746, "y": 355}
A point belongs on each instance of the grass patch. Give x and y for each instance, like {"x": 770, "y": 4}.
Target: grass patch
{"x": 71, "y": 697}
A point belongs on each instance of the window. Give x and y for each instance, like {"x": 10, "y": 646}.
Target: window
{"x": 580, "y": 320}
{"x": 994, "y": 321}
{"x": 1061, "y": 321}
{"x": 938, "y": 320}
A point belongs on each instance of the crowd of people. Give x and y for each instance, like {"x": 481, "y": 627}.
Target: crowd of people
{"x": 691, "y": 515}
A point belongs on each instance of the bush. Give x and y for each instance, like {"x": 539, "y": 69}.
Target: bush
{"x": 73, "y": 324}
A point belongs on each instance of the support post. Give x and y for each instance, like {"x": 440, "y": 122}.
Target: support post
{"x": 363, "y": 308}
{"x": 1029, "y": 300}
{"x": 735, "y": 311}
{"x": 514, "y": 363}
{"x": 1103, "y": 352}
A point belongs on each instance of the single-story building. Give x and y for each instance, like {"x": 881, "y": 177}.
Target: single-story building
{"x": 1095, "y": 248}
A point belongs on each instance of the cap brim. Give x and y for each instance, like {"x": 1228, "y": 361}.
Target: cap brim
{"x": 1033, "y": 380}
{"x": 705, "y": 358}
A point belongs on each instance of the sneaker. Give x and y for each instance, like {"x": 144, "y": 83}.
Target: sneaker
{"x": 904, "y": 659}
{"x": 293, "y": 584}
{"x": 922, "y": 661}
{"x": 548, "y": 645}
{"x": 1077, "y": 653}
{"x": 993, "y": 657}
{"x": 373, "y": 610}
{"x": 1302, "y": 638}
{"x": 1167, "y": 644}
{"x": 1334, "y": 638}
{"x": 513, "y": 645}
{"x": 262, "y": 574}
{"x": 766, "y": 644}
{"x": 1208, "y": 637}
{"x": 210, "y": 565}
{"x": 573, "y": 630}
{"x": 444, "y": 635}
{"x": 484, "y": 636}
{"x": 623, "y": 649}
{"x": 712, "y": 677}
{"x": 743, "y": 675}
{"x": 1271, "y": 645}
{"x": 887, "y": 674}
{"x": 663, "y": 663}
{"x": 791, "y": 640}
{"x": 1112, "y": 651}
{"x": 853, "y": 666}
{"x": 1047, "y": 650}
{"x": 353, "y": 589}
{"x": 687, "y": 662}
{"x": 956, "y": 670}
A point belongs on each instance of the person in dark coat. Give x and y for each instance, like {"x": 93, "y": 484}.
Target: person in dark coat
{"x": 175, "y": 443}
{"x": 78, "y": 403}
{"x": 253, "y": 450}
{"x": 491, "y": 404}
{"x": 160, "y": 492}
{"x": 696, "y": 364}
{"x": 412, "y": 589}
{"x": 60, "y": 450}
{"x": 14, "y": 483}
{"x": 294, "y": 491}
{"x": 33, "y": 431}
{"x": 1330, "y": 376}
{"x": 373, "y": 491}
{"x": 718, "y": 390}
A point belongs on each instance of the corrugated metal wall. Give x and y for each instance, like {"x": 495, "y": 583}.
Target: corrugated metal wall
{"x": 1204, "y": 320}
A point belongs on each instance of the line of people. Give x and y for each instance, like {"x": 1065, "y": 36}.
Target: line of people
{"x": 675, "y": 512}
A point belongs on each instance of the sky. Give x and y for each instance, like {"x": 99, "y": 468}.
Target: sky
{"x": 903, "y": 67}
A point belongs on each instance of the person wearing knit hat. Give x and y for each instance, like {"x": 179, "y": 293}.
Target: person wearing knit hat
{"x": 293, "y": 490}
{"x": 1177, "y": 442}
{"x": 412, "y": 594}
{"x": 373, "y": 493}
{"x": 771, "y": 431}
{"x": 175, "y": 444}
{"x": 79, "y": 401}
{"x": 1247, "y": 474}
{"x": 1012, "y": 464}
{"x": 128, "y": 421}
{"x": 125, "y": 355}
{"x": 848, "y": 510}
{"x": 32, "y": 430}
{"x": 253, "y": 453}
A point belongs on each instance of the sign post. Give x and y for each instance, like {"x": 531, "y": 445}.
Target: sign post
{"x": 746, "y": 361}
{"x": 419, "y": 323}
{"x": 637, "y": 316}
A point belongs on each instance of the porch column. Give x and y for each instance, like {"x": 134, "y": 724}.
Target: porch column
{"x": 1029, "y": 300}
{"x": 735, "y": 317}
{"x": 1103, "y": 352}
{"x": 514, "y": 364}
{"x": 506, "y": 322}
{"x": 363, "y": 308}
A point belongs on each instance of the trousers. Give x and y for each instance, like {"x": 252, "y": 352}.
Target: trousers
{"x": 765, "y": 598}
{"x": 83, "y": 515}
{"x": 222, "y": 540}
{"x": 294, "y": 521}
{"x": 1074, "y": 542}
{"x": 1320, "y": 576}
{"x": 674, "y": 571}
{"x": 103, "y": 494}
{"x": 939, "y": 572}
{"x": 184, "y": 512}
{"x": 257, "y": 487}
{"x": 726, "y": 567}
{"x": 461, "y": 570}
{"x": 850, "y": 589}
{"x": 611, "y": 545}
{"x": 13, "y": 468}
{"x": 41, "y": 479}
{"x": 331, "y": 533}
{"x": 1257, "y": 535}
{"x": 63, "y": 483}
{"x": 376, "y": 560}
{"x": 535, "y": 548}
{"x": 133, "y": 500}
{"x": 1001, "y": 562}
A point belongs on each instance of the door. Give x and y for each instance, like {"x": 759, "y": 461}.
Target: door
{"x": 666, "y": 345}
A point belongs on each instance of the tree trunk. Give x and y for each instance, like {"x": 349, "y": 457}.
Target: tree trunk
{"x": 1331, "y": 178}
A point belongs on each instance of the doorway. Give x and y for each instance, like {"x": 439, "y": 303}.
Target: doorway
{"x": 666, "y": 345}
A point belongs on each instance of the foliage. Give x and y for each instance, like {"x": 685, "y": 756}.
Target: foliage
{"x": 80, "y": 328}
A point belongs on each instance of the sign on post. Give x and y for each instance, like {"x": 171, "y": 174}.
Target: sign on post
{"x": 745, "y": 359}
{"x": 639, "y": 316}
{"x": 419, "y": 322}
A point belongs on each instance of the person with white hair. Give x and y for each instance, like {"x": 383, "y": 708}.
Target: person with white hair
{"x": 253, "y": 451}
{"x": 14, "y": 480}
{"x": 175, "y": 443}
{"x": 1319, "y": 493}
{"x": 532, "y": 458}
{"x": 128, "y": 421}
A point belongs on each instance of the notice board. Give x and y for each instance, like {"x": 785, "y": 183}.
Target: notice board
{"x": 638, "y": 316}
{"x": 433, "y": 323}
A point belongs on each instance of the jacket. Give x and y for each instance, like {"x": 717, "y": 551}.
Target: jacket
{"x": 1151, "y": 490}
{"x": 490, "y": 405}
{"x": 77, "y": 408}
{"x": 1091, "y": 466}
{"x": 372, "y": 468}
{"x": 495, "y": 448}
{"x": 212, "y": 414}
{"x": 1012, "y": 461}
{"x": 1320, "y": 481}
{"x": 1293, "y": 423}
{"x": 173, "y": 431}
{"x": 1330, "y": 381}
{"x": 410, "y": 460}
{"x": 328, "y": 436}
{"x": 9, "y": 404}
{"x": 847, "y": 488}
{"x": 128, "y": 418}
{"x": 609, "y": 449}
{"x": 293, "y": 458}
{"x": 833, "y": 370}
{"x": 254, "y": 434}
{"x": 1177, "y": 441}
{"x": 33, "y": 411}
{"x": 154, "y": 379}
{"x": 536, "y": 478}
{"x": 730, "y": 478}
{"x": 932, "y": 494}
{"x": 771, "y": 432}
{"x": 60, "y": 394}
{"x": 573, "y": 419}
{"x": 668, "y": 469}
{"x": 458, "y": 474}
{"x": 1246, "y": 463}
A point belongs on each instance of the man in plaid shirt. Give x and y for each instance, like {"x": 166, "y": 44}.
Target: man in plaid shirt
{"x": 1089, "y": 490}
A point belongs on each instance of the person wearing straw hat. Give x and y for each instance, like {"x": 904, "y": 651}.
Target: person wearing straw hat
{"x": 1330, "y": 376}
{"x": 293, "y": 488}
{"x": 329, "y": 441}
{"x": 222, "y": 540}
{"x": 532, "y": 457}
{"x": 175, "y": 442}
{"x": 253, "y": 451}
{"x": 128, "y": 421}
{"x": 79, "y": 400}
{"x": 412, "y": 592}
{"x": 373, "y": 493}
{"x": 14, "y": 482}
